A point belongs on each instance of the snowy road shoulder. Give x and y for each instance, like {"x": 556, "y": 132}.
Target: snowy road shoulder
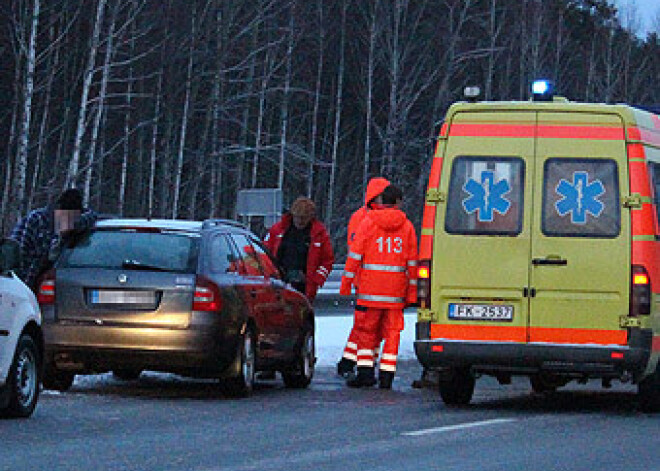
{"x": 332, "y": 332}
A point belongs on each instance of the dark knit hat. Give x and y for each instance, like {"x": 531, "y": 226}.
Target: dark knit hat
{"x": 70, "y": 199}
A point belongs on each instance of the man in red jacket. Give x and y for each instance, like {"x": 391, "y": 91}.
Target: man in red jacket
{"x": 385, "y": 253}
{"x": 301, "y": 245}
{"x": 375, "y": 187}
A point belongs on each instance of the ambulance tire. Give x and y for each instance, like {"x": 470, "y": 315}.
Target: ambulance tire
{"x": 457, "y": 388}
{"x": 648, "y": 392}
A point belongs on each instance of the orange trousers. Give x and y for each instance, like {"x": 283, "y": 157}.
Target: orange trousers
{"x": 372, "y": 324}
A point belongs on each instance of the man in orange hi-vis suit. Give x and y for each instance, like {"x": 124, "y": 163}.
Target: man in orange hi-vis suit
{"x": 385, "y": 254}
{"x": 375, "y": 187}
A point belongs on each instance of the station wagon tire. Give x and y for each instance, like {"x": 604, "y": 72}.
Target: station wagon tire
{"x": 648, "y": 392}
{"x": 23, "y": 380}
{"x": 301, "y": 375}
{"x": 58, "y": 380}
{"x": 242, "y": 384}
{"x": 127, "y": 374}
{"x": 542, "y": 384}
{"x": 457, "y": 388}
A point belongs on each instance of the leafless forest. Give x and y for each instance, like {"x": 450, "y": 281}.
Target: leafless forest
{"x": 167, "y": 108}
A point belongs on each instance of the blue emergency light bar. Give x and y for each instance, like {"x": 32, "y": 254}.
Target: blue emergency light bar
{"x": 542, "y": 90}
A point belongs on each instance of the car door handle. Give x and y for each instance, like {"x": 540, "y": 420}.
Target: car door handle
{"x": 550, "y": 261}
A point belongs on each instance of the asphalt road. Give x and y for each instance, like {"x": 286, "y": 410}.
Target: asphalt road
{"x": 164, "y": 422}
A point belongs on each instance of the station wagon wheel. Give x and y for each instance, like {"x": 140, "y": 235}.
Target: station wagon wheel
{"x": 303, "y": 371}
{"x": 23, "y": 379}
{"x": 457, "y": 389}
{"x": 242, "y": 384}
{"x": 58, "y": 380}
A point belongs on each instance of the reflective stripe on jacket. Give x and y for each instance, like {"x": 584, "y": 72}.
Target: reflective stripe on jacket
{"x": 385, "y": 254}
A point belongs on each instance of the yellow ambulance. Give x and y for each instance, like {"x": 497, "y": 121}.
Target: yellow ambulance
{"x": 540, "y": 247}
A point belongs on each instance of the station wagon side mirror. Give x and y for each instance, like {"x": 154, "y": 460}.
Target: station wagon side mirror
{"x": 10, "y": 255}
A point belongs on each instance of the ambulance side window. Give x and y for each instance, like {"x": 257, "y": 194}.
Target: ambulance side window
{"x": 581, "y": 198}
{"x": 486, "y": 196}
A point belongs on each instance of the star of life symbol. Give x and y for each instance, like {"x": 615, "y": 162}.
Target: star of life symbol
{"x": 486, "y": 197}
{"x": 580, "y": 198}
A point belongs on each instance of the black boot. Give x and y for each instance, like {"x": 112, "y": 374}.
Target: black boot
{"x": 345, "y": 367}
{"x": 365, "y": 378}
{"x": 385, "y": 379}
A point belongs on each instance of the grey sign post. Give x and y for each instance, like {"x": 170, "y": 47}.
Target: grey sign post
{"x": 261, "y": 202}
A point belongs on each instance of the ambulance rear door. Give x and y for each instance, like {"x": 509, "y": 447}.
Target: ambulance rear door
{"x": 482, "y": 240}
{"x": 580, "y": 233}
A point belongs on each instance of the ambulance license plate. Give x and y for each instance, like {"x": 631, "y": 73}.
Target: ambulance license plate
{"x": 481, "y": 312}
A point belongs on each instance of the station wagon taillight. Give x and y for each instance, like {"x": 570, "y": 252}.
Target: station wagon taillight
{"x": 640, "y": 291}
{"x": 207, "y": 295}
{"x": 424, "y": 283}
{"x": 46, "y": 292}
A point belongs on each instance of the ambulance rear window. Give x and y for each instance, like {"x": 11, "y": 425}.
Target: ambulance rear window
{"x": 581, "y": 198}
{"x": 486, "y": 196}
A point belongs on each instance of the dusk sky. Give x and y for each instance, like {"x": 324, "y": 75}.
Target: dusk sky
{"x": 647, "y": 11}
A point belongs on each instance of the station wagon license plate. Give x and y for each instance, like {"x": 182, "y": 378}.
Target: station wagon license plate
{"x": 481, "y": 312}
{"x": 122, "y": 297}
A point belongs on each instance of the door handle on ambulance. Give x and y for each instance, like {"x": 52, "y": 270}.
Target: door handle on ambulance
{"x": 550, "y": 260}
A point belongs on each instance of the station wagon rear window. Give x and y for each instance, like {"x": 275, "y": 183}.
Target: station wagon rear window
{"x": 167, "y": 251}
{"x": 486, "y": 196}
{"x": 581, "y": 198}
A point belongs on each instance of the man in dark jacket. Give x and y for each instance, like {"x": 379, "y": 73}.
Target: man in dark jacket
{"x": 301, "y": 245}
{"x": 41, "y": 233}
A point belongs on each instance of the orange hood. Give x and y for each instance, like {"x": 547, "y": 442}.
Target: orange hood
{"x": 388, "y": 219}
{"x": 374, "y": 188}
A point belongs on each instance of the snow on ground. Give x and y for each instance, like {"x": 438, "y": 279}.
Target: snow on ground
{"x": 332, "y": 332}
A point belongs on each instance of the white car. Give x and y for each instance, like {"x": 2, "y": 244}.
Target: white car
{"x": 21, "y": 339}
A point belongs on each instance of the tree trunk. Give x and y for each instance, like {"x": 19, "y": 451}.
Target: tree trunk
{"x": 100, "y": 107}
{"x": 338, "y": 109}
{"x": 154, "y": 146}
{"x": 285, "y": 101}
{"x": 72, "y": 175}
{"x": 24, "y": 136}
{"x": 184, "y": 120}
{"x": 317, "y": 102}
{"x": 370, "y": 90}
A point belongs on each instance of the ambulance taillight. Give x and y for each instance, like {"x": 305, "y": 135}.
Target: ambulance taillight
{"x": 424, "y": 283}
{"x": 640, "y": 291}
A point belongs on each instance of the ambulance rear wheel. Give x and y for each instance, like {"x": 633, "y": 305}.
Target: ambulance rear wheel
{"x": 648, "y": 392}
{"x": 457, "y": 388}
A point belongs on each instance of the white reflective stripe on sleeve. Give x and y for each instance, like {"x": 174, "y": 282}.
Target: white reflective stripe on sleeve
{"x": 384, "y": 367}
{"x": 349, "y": 274}
{"x": 388, "y": 268}
{"x": 385, "y": 299}
{"x": 389, "y": 356}
{"x": 351, "y": 345}
{"x": 350, "y": 356}
{"x": 355, "y": 256}
{"x": 368, "y": 363}
{"x": 365, "y": 352}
